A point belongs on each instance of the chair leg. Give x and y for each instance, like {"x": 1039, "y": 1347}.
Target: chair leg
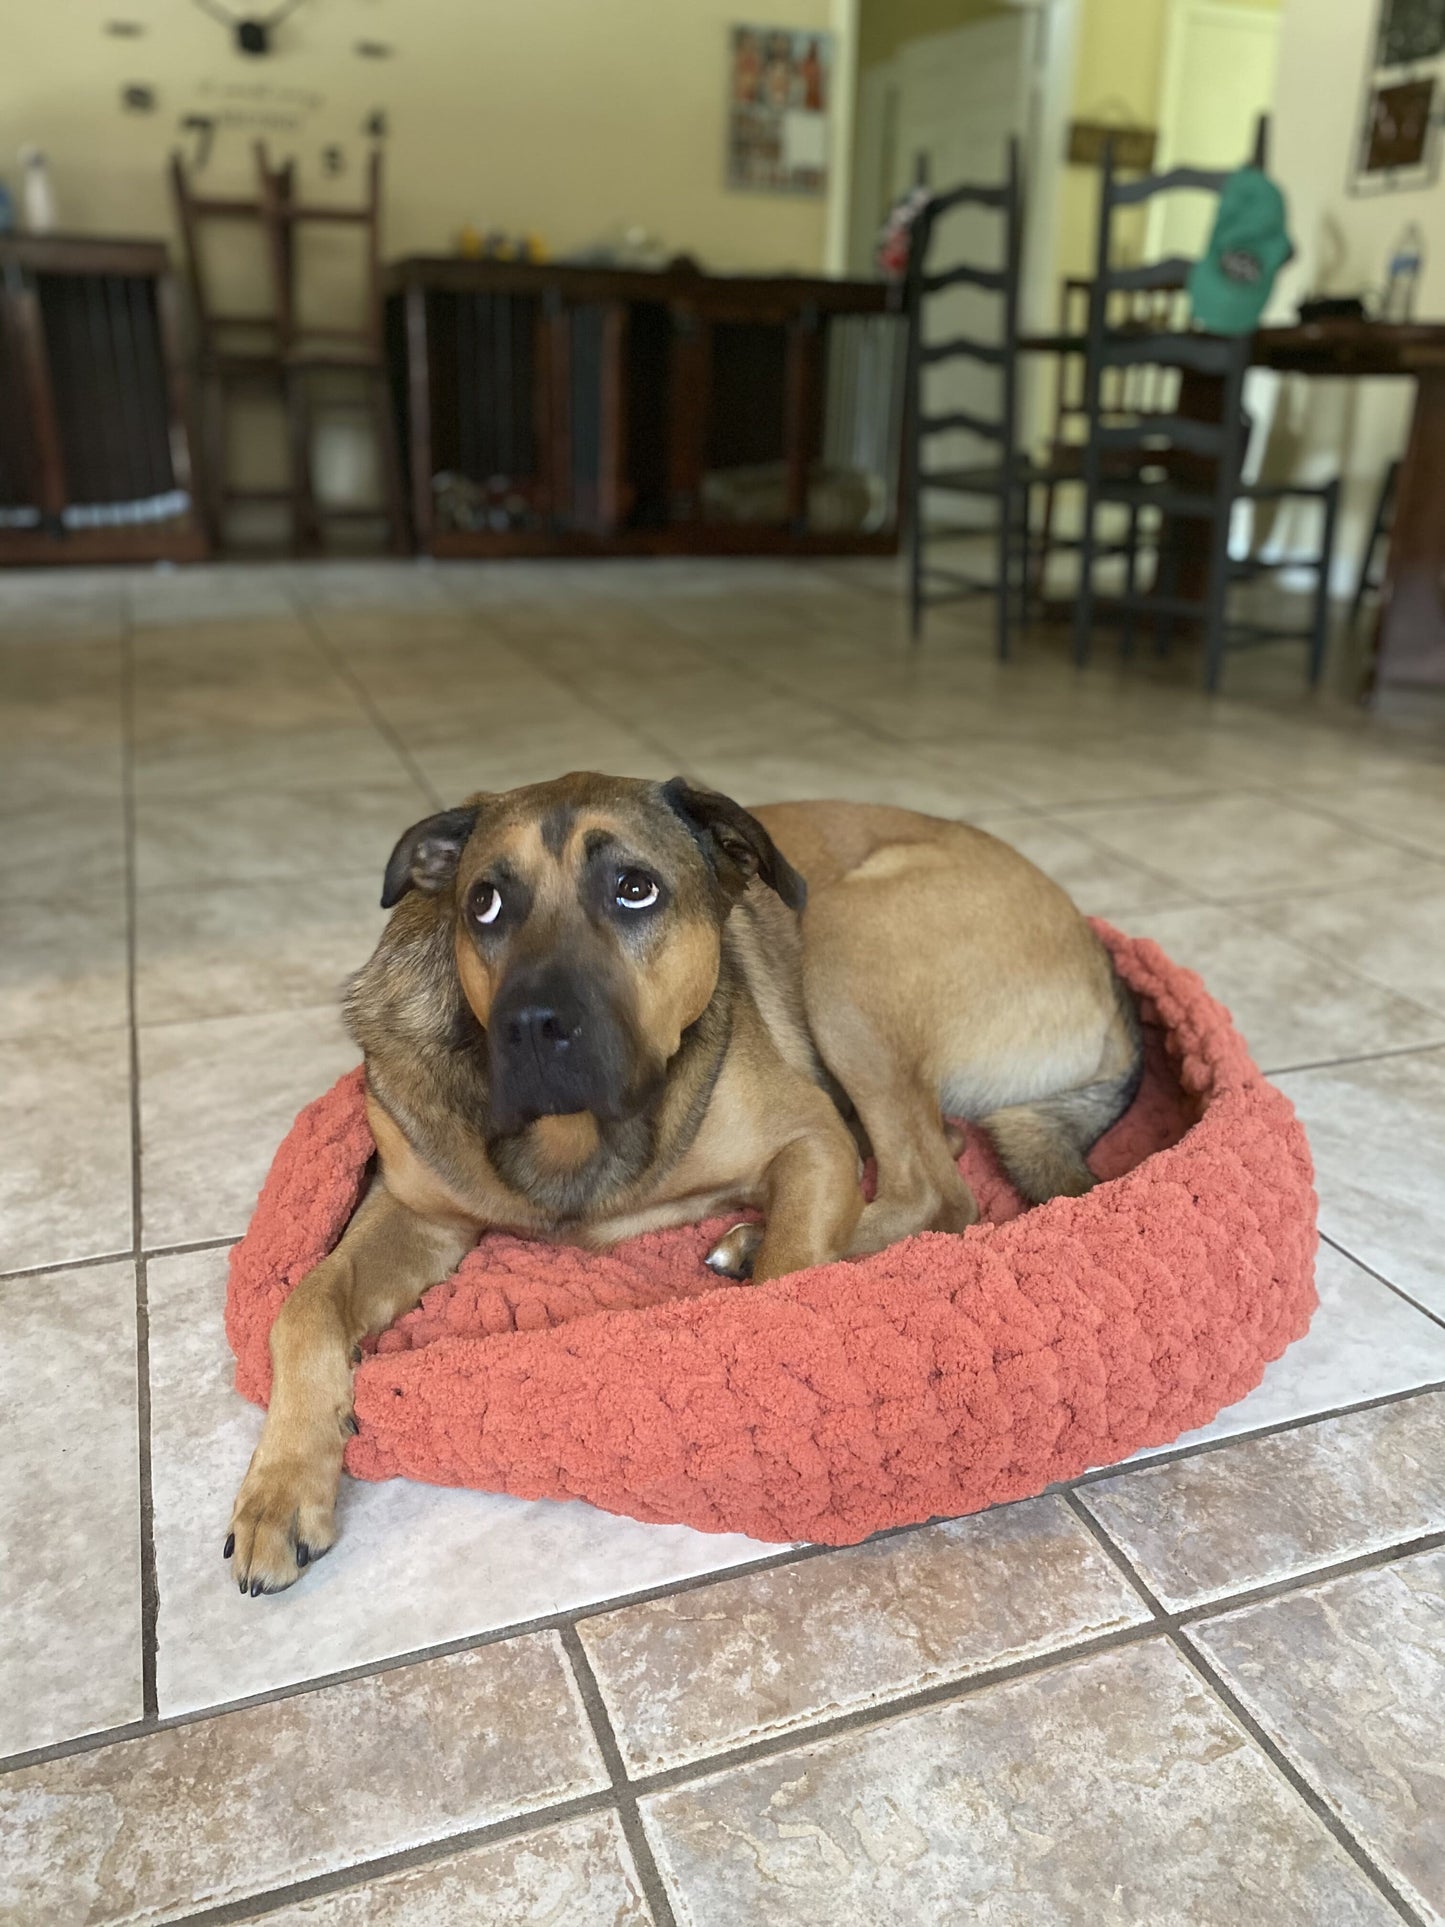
{"x": 1040, "y": 569}
{"x": 1005, "y": 568}
{"x": 1377, "y": 528}
{"x": 1320, "y": 627}
{"x": 1214, "y": 609}
{"x": 1131, "y": 581}
{"x": 211, "y": 489}
{"x": 1084, "y": 604}
{"x": 305, "y": 534}
{"x": 915, "y": 566}
{"x": 393, "y": 493}
{"x": 1166, "y": 583}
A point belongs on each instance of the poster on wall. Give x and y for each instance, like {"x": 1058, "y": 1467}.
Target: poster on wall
{"x": 779, "y": 89}
{"x": 1399, "y": 140}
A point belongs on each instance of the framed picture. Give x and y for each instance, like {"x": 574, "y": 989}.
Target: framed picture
{"x": 1399, "y": 138}
{"x": 1410, "y": 30}
{"x": 779, "y": 93}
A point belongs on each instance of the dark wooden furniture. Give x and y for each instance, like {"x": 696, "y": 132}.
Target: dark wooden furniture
{"x": 935, "y": 352}
{"x": 555, "y": 410}
{"x": 275, "y": 350}
{"x": 355, "y": 351}
{"x": 1369, "y": 581}
{"x": 1410, "y": 639}
{"x": 1191, "y": 460}
{"x": 235, "y": 352}
{"x": 1125, "y": 394}
{"x": 95, "y": 447}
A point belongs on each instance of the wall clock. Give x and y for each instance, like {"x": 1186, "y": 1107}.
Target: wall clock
{"x": 252, "y": 31}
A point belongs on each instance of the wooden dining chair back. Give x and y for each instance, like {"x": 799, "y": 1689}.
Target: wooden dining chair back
{"x": 234, "y": 350}
{"x": 1125, "y": 393}
{"x": 1187, "y": 461}
{"x": 310, "y": 348}
{"x": 998, "y": 476}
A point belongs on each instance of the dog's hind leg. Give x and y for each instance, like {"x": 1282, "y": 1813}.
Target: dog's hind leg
{"x": 284, "y": 1515}
{"x": 1044, "y": 1145}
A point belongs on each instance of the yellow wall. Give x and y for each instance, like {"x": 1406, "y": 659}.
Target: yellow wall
{"x": 1343, "y": 244}
{"x": 1120, "y": 66}
{"x": 559, "y": 117}
{"x": 884, "y": 25}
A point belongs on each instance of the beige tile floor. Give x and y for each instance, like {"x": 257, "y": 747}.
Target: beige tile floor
{"x": 1209, "y": 1688}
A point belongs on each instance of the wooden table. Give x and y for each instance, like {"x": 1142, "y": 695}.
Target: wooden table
{"x": 608, "y": 410}
{"x": 95, "y": 443}
{"x": 1410, "y": 641}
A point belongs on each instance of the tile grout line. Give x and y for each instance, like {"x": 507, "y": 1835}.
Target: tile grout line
{"x": 638, "y": 1843}
{"x": 118, "y": 1257}
{"x": 1283, "y": 1765}
{"x": 1173, "y": 1455}
{"x": 787, "y": 1557}
{"x": 149, "y": 1589}
{"x": 1435, "y": 1317}
{"x": 359, "y": 1874}
{"x": 1175, "y": 1631}
{"x": 338, "y": 662}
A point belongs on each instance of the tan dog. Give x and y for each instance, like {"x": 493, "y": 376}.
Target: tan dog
{"x": 597, "y": 1011}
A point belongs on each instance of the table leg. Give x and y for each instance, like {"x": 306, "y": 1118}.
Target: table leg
{"x": 1411, "y": 640}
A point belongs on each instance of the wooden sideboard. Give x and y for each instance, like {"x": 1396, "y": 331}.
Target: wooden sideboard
{"x": 95, "y": 445}
{"x": 568, "y": 410}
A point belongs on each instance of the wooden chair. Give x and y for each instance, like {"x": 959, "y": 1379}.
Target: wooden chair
{"x": 1368, "y": 582}
{"x": 1001, "y": 477}
{"x": 308, "y": 350}
{"x": 1190, "y": 459}
{"x": 1126, "y": 394}
{"x": 233, "y": 351}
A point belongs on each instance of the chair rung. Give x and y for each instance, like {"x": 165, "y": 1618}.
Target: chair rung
{"x": 1175, "y": 431}
{"x": 961, "y": 345}
{"x": 1282, "y": 491}
{"x": 993, "y": 278}
{"x": 960, "y": 418}
{"x": 1204, "y": 354}
{"x": 1129, "y": 193}
{"x": 1170, "y": 273}
{"x": 966, "y": 583}
{"x": 1149, "y": 495}
{"x": 1159, "y": 605}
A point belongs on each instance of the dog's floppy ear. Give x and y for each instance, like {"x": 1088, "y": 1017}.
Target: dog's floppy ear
{"x": 426, "y": 857}
{"x": 735, "y": 843}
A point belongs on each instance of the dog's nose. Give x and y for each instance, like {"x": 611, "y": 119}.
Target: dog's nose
{"x": 548, "y": 1031}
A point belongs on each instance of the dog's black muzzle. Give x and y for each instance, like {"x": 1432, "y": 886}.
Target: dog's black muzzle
{"x": 556, "y": 1046}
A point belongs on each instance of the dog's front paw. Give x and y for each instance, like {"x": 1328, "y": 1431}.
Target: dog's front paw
{"x": 283, "y": 1519}
{"x": 733, "y": 1254}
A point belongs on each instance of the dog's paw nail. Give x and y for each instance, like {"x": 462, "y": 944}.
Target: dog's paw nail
{"x": 303, "y": 1553}
{"x": 241, "y": 1587}
{"x": 230, "y": 1545}
{"x": 352, "y": 1424}
{"x": 356, "y": 1354}
{"x": 256, "y": 1589}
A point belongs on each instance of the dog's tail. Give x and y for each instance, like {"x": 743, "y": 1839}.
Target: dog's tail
{"x": 1044, "y": 1145}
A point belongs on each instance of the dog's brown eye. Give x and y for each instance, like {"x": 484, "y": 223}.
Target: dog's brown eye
{"x": 486, "y": 903}
{"x": 636, "y": 890}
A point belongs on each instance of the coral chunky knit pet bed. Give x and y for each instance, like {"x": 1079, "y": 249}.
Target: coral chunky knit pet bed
{"x": 945, "y": 1374}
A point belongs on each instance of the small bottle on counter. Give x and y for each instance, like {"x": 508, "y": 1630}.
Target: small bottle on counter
{"x": 37, "y": 192}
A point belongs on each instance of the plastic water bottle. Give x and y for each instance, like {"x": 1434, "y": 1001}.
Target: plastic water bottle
{"x": 38, "y": 194}
{"x": 1405, "y": 264}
